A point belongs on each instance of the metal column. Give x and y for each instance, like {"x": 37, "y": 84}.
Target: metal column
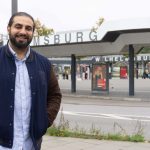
{"x": 73, "y": 73}
{"x": 14, "y": 6}
{"x": 137, "y": 70}
{"x": 131, "y": 70}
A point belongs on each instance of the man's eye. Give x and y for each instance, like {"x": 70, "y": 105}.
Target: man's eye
{"x": 29, "y": 28}
{"x": 18, "y": 27}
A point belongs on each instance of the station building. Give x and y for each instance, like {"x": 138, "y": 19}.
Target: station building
{"x": 142, "y": 63}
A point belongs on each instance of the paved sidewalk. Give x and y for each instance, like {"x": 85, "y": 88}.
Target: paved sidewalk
{"x": 118, "y": 90}
{"x": 61, "y": 143}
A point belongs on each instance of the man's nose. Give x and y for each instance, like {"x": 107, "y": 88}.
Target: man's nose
{"x": 23, "y": 31}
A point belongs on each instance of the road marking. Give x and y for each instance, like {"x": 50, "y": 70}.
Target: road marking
{"x": 108, "y": 116}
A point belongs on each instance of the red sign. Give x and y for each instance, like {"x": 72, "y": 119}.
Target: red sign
{"x": 123, "y": 72}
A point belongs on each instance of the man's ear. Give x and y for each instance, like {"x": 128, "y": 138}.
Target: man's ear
{"x": 8, "y": 29}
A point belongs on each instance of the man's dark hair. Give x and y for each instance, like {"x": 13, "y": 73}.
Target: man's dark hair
{"x": 20, "y": 14}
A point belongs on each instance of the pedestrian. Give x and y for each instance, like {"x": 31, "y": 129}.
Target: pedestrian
{"x": 30, "y": 96}
{"x": 145, "y": 75}
{"x": 67, "y": 74}
{"x": 63, "y": 74}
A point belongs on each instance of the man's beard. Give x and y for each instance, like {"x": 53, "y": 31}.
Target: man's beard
{"x": 19, "y": 44}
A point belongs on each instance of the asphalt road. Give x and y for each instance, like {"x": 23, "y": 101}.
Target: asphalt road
{"x": 107, "y": 116}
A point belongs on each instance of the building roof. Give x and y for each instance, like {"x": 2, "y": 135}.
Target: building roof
{"x": 113, "y": 37}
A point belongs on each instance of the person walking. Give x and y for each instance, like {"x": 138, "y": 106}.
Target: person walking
{"x": 30, "y": 95}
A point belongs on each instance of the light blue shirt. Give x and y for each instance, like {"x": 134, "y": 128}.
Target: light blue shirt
{"x": 22, "y": 107}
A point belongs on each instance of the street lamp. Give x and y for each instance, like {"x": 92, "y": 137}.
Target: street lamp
{"x": 14, "y": 6}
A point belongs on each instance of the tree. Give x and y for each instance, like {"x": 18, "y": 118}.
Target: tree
{"x": 98, "y": 24}
{"x": 145, "y": 50}
{"x": 41, "y": 29}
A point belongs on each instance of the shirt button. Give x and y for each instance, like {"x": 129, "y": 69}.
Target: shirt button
{"x": 12, "y": 89}
{"x": 33, "y": 93}
{"x": 11, "y": 106}
{"x": 10, "y": 124}
{"x": 10, "y": 142}
{"x": 31, "y": 77}
{"x": 13, "y": 73}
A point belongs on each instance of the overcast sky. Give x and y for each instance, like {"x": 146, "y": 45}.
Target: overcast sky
{"x": 66, "y": 15}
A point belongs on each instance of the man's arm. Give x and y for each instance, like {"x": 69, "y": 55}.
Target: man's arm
{"x": 53, "y": 98}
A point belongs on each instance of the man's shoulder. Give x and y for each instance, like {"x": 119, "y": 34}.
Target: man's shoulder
{"x": 3, "y": 47}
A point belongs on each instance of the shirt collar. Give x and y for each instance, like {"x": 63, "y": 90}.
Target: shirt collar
{"x": 15, "y": 54}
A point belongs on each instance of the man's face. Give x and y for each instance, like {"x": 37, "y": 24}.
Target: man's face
{"x": 21, "y": 32}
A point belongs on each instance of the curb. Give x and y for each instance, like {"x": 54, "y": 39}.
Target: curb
{"x": 102, "y": 97}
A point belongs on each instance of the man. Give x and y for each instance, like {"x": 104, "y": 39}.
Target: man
{"x": 30, "y": 96}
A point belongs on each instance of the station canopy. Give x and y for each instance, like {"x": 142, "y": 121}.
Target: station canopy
{"x": 111, "y": 38}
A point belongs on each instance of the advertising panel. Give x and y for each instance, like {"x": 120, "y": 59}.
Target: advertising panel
{"x": 100, "y": 77}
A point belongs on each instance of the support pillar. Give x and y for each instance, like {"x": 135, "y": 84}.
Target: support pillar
{"x": 137, "y": 70}
{"x": 73, "y": 73}
{"x": 14, "y": 6}
{"x": 131, "y": 70}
